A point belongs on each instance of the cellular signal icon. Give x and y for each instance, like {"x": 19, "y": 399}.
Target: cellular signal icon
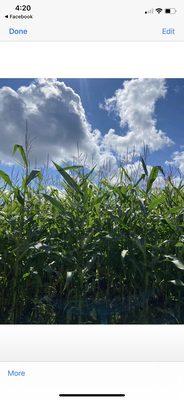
{"x": 150, "y": 11}
{"x": 159, "y": 10}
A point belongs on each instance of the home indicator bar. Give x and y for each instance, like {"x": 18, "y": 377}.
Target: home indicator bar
{"x": 92, "y": 395}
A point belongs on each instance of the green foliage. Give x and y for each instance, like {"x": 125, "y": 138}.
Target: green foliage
{"x": 153, "y": 176}
{"x": 144, "y": 166}
{"x": 5, "y": 178}
{"x": 91, "y": 253}
{"x": 18, "y": 148}
{"x": 69, "y": 180}
{"x": 33, "y": 174}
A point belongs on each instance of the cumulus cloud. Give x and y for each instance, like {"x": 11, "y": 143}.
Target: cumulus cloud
{"x": 56, "y": 119}
{"x": 59, "y": 127}
{"x": 134, "y": 105}
{"x": 177, "y": 161}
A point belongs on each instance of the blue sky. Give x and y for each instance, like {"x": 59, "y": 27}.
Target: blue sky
{"x": 168, "y": 115}
{"x": 169, "y": 111}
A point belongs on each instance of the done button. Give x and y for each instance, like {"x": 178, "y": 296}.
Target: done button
{"x": 13, "y": 31}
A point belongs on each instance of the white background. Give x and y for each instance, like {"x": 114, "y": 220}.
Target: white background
{"x": 99, "y": 60}
{"x": 91, "y": 60}
{"x": 96, "y": 20}
{"x": 138, "y": 381}
{"x": 92, "y": 343}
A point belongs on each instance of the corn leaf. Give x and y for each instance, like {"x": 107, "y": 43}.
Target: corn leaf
{"x": 152, "y": 177}
{"x": 19, "y": 196}
{"x": 69, "y": 180}
{"x": 55, "y": 202}
{"x": 5, "y": 177}
{"x": 177, "y": 282}
{"x": 176, "y": 262}
{"x": 33, "y": 174}
{"x": 144, "y": 166}
{"x": 20, "y": 149}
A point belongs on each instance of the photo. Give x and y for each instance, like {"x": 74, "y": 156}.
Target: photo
{"x": 92, "y": 201}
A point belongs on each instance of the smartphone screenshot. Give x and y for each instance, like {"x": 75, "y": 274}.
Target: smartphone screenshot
{"x": 91, "y": 200}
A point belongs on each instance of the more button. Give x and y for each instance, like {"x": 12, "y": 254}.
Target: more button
{"x": 16, "y": 373}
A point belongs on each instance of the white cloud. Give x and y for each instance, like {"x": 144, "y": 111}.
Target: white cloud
{"x": 58, "y": 124}
{"x": 177, "y": 161}
{"x": 56, "y": 120}
{"x": 134, "y": 104}
{"x": 107, "y": 164}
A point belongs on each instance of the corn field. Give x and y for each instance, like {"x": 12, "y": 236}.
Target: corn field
{"x": 91, "y": 252}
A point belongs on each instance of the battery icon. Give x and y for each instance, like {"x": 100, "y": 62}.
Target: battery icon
{"x": 170, "y": 10}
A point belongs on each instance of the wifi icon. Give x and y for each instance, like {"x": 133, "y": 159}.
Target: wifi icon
{"x": 159, "y": 10}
